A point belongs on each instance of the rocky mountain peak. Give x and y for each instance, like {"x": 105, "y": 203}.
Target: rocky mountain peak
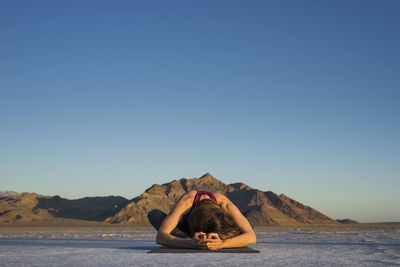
{"x": 207, "y": 176}
{"x": 261, "y": 208}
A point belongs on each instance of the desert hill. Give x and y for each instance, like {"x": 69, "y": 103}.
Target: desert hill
{"x": 347, "y": 221}
{"x": 22, "y": 208}
{"x": 8, "y": 193}
{"x": 261, "y": 208}
{"x": 32, "y": 207}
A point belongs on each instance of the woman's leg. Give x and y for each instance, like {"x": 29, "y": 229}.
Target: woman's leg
{"x": 156, "y": 217}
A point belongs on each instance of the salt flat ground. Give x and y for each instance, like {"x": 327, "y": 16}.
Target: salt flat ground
{"x": 128, "y": 247}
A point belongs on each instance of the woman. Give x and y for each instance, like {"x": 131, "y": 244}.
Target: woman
{"x": 203, "y": 220}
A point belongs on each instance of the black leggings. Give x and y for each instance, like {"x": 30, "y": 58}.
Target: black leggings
{"x": 156, "y": 217}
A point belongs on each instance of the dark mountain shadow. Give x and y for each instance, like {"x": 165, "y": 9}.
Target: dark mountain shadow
{"x": 88, "y": 208}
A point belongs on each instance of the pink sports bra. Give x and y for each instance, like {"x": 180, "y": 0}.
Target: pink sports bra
{"x": 200, "y": 193}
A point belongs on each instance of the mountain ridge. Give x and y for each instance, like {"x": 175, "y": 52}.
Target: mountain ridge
{"x": 261, "y": 208}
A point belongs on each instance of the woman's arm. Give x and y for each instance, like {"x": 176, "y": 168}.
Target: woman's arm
{"x": 164, "y": 236}
{"x": 247, "y": 237}
{"x": 177, "y": 242}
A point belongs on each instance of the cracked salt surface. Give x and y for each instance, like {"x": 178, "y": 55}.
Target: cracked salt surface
{"x": 278, "y": 247}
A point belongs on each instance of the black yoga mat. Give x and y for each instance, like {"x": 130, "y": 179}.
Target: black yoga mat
{"x": 190, "y": 250}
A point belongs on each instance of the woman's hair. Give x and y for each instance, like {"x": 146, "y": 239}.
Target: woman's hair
{"x": 208, "y": 217}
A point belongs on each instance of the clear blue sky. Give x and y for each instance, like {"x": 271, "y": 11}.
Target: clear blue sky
{"x": 296, "y": 97}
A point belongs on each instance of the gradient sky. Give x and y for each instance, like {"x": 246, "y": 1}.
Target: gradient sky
{"x": 296, "y": 97}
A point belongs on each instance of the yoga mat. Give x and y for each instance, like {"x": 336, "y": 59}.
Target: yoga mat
{"x": 190, "y": 250}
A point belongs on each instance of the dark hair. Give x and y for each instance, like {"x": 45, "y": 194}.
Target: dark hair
{"x": 208, "y": 217}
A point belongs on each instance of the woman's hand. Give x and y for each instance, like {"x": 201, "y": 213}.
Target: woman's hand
{"x": 198, "y": 240}
{"x": 213, "y": 242}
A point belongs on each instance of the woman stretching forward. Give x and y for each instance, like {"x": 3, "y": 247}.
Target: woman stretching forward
{"x": 202, "y": 220}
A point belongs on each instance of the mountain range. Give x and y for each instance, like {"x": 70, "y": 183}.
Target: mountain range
{"x": 260, "y": 208}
